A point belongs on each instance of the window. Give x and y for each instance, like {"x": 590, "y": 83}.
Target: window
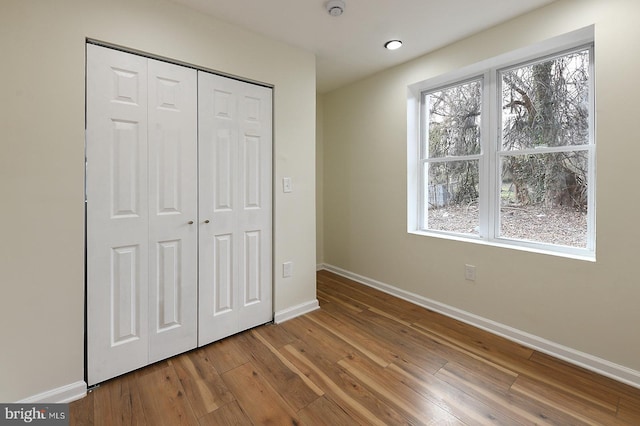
{"x": 451, "y": 157}
{"x": 503, "y": 152}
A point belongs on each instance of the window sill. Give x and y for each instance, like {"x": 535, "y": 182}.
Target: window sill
{"x": 566, "y": 252}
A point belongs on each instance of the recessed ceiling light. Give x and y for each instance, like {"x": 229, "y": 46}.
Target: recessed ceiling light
{"x": 393, "y": 44}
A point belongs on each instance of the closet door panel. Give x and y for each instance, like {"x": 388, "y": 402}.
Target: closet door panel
{"x": 173, "y": 201}
{"x": 235, "y": 195}
{"x": 218, "y": 245}
{"x": 254, "y": 218}
{"x": 117, "y": 214}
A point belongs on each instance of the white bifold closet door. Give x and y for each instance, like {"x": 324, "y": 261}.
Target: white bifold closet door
{"x": 142, "y": 203}
{"x": 178, "y": 242}
{"x": 235, "y": 149}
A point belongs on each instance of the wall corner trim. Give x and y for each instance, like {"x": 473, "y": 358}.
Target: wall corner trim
{"x": 581, "y": 359}
{"x": 296, "y": 311}
{"x": 63, "y": 394}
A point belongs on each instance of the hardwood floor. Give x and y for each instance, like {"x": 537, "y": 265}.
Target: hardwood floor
{"x": 364, "y": 358}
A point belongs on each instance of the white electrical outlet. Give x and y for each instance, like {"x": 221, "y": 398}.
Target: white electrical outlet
{"x": 287, "y": 185}
{"x": 470, "y": 272}
{"x": 287, "y": 269}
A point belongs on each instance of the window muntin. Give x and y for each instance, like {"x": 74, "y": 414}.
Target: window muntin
{"x": 557, "y": 147}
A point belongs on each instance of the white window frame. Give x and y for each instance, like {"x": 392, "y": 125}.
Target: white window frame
{"x": 491, "y": 150}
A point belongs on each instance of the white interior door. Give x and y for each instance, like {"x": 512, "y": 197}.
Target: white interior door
{"x": 117, "y": 214}
{"x": 173, "y": 209}
{"x": 235, "y": 149}
{"x": 141, "y": 195}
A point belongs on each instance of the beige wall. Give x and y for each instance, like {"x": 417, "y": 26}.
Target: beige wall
{"x": 587, "y": 306}
{"x": 42, "y": 48}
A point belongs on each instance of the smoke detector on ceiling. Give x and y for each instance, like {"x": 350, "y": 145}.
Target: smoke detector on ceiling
{"x": 335, "y": 7}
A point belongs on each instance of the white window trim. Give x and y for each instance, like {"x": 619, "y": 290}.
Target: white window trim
{"x": 487, "y": 70}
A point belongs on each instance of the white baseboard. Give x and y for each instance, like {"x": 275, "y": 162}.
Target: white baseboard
{"x": 296, "y": 311}
{"x": 598, "y": 365}
{"x": 61, "y": 395}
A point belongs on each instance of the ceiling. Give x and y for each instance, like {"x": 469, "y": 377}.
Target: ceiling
{"x": 350, "y": 47}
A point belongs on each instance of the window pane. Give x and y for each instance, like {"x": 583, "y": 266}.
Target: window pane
{"x": 453, "y": 120}
{"x": 544, "y": 198}
{"x": 546, "y": 104}
{"x": 452, "y": 196}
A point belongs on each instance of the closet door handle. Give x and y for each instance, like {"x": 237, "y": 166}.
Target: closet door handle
{"x": 206, "y": 221}
{"x": 190, "y": 222}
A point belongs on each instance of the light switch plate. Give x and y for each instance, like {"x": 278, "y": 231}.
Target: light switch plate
{"x": 287, "y": 269}
{"x": 287, "y": 186}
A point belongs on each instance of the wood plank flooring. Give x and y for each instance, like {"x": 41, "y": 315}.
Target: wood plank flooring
{"x": 364, "y": 358}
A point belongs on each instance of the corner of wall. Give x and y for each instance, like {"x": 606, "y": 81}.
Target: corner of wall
{"x": 319, "y": 178}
